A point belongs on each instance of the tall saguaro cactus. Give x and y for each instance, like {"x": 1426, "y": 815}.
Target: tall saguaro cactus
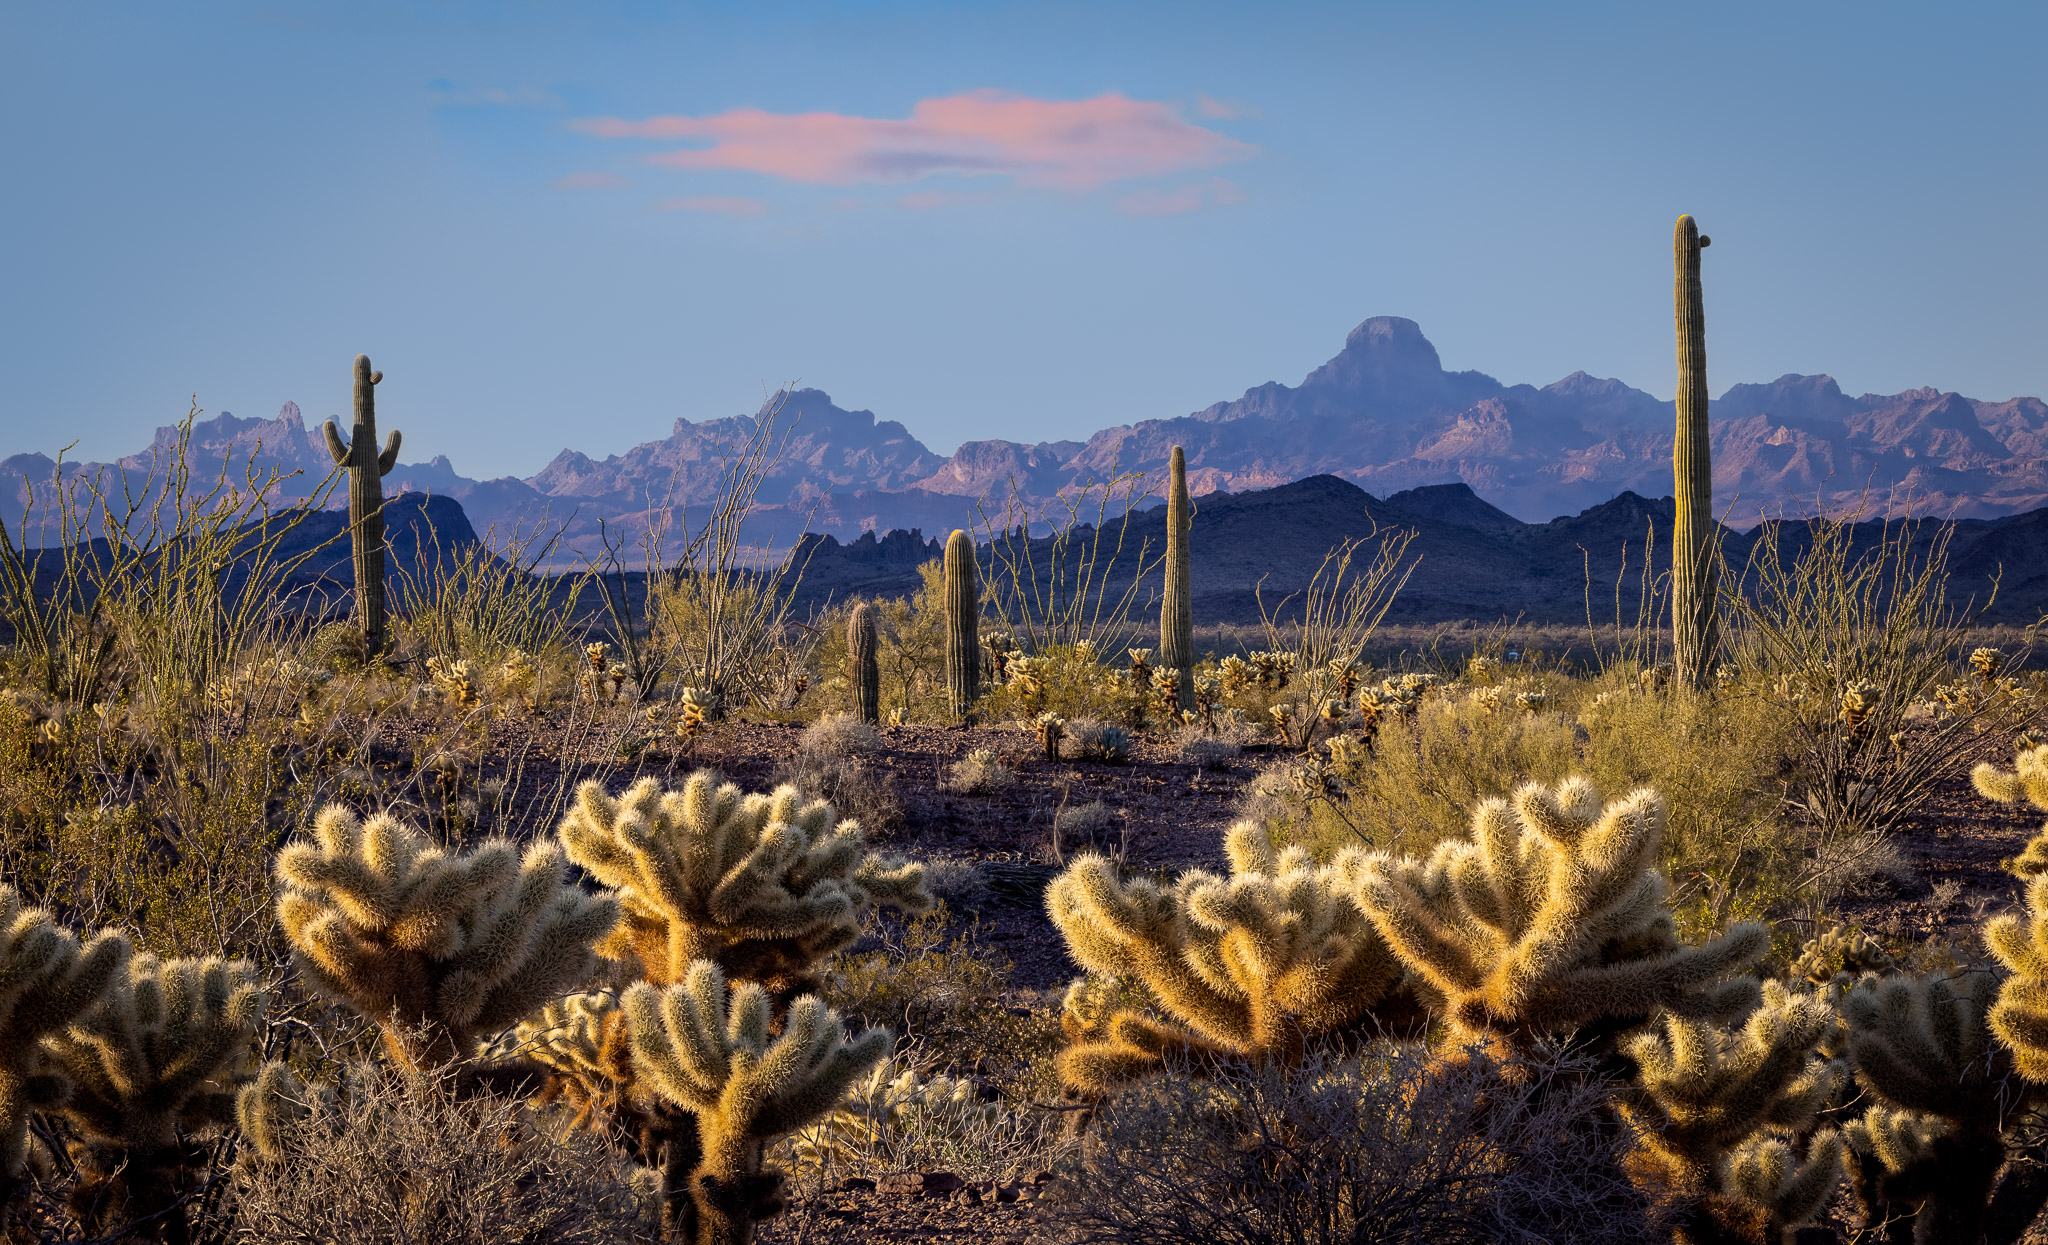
{"x": 862, "y": 669}
{"x": 366, "y": 469}
{"x": 1695, "y": 576}
{"x": 1176, "y": 614}
{"x": 963, "y": 621}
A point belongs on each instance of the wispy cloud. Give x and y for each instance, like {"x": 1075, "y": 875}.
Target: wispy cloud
{"x": 1216, "y": 192}
{"x": 926, "y": 200}
{"x": 1218, "y": 109}
{"x": 1065, "y": 144}
{"x": 723, "y": 205}
{"x": 588, "y": 181}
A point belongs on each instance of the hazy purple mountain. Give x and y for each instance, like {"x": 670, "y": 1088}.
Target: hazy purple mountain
{"x": 1383, "y": 413}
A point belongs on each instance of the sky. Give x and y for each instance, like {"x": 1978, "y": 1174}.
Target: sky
{"x": 569, "y": 224}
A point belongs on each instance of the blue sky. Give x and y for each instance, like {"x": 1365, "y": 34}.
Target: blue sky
{"x": 1026, "y": 220}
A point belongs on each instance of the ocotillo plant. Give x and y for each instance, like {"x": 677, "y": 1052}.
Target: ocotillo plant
{"x": 863, "y": 671}
{"x": 1253, "y": 965}
{"x": 708, "y": 1050}
{"x": 45, "y": 983}
{"x": 963, "y": 622}
{"x": 164, "y": 1051}
{"x": 1551, "y": 918}
{"x": 766, "y": 887}
{"x": 1695, "y": 573}
{"x": 1176, "y": 614}
{"x": 366, "y": 467}
{"x": 437, "y": 950}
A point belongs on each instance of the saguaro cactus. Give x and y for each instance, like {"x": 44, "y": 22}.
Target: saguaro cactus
{"x": 862, "y": 669}
{"x": 366, "y": 467}
{"x": 963, "y": 621}
{"x": 1695, "y": 576}
{"x": 1176, "y": 614}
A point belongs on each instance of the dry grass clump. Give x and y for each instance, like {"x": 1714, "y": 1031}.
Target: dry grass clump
{"x": 399, "y": 1158}
{"x": 956, "y": 883}
{"x": 1083, "y": 821}
{"x": 1393, "y": 1148}
{"x": 838, "y": 735}
{"x": 1091, "y": 739}
{"x": 858, "y": 790}
{"x": 981, "y": 772}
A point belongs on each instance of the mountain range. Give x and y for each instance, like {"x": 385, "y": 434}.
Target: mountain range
{"x": 1383, "y": 414}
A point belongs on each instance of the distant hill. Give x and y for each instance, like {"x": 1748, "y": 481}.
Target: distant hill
{"x": 1382, "y": 413}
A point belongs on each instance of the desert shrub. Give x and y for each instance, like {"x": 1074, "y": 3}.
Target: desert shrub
{"x": 856, "y": 789}
{"x": 837, "y": 735}
{"x": 956, "y": 883}
{"x": 1090, "y": 739}
{"x": 402, "y": 1158}
{"x": 1083, "y": 823}
{"x": 897, "y": 1120}
{"x": 1208, "y": 751}
{"x": 1391, "y": 1148}
{"x": 943, "y": 995}
{"x": 980, "y": 772}
{"x": 1071, "y": 680}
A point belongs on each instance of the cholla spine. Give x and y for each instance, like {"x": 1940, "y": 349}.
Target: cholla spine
{"x": 437, "y": 950}
{"x": 765, "y": 886}
{"x": 1550, "y": 915}
{"x": 1249, "y": 965}
{"x": 707, "y": 1049}
{"x": 366, "y": 467}
{"x": 863, "y": 671}
{"x": 1695, "y": 578}
{"x": 963, "y": 621}
{"x": 1176, "y": 609}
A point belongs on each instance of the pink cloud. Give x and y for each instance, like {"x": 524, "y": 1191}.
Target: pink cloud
{"x": 926, "y": 200}
{"x": 588, "y": 181}
{"x": 1217, "y": 109}
{"x": 723, "y": 205}
{"x": 1216, "y": 192}
{"x": 1068, "y": 144}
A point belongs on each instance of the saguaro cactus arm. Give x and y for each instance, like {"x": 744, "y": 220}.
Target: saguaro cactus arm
{"x": 437, "y": 950}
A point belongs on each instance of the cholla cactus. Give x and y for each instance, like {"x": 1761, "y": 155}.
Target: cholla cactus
{"x": 1925, "y": 1044}
{"x": 1764, "y": 1173}
{"x": 46, "y": 982}
{"x": 581, "y": 1040}
{"x": 710, "y": 1053}
{"x": 1708, "y": 1088}
{"x": 2027, "y": 780}
{"x": 1488, "y": 699}
{"x": 1165, "y": 688}
{"x": 269, "y": 1106}
{"x": 1250, "y": 965}
{"x": 1658, "y": 677}
{"x": 519, "y": 677}
{"x": 1283, "y": 721}
{"x": 1141, "y": 667}
{"x": 1859, "y": 700}
{"x": 1841, "y": 949}
{"x": 1482, "y": 671}
{"x": 1892, "y": 1159}
{"x": 891, "y": 1101}
{"x": 166, "y": 1048}
{"x": 764, "y": 886}
{"x": 1051, "y": 727}
{"x": 1234, "y": 675}
{"x": 1531, "y": 703}
{"x": 455, "y": 680}
{"x": 1987, "y": 664}
{"x": 1345, "y": 674}
{"x": 435, "y": 949}
{"x": 1549, "y": 917}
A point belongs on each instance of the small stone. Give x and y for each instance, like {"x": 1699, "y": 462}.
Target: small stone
{"x": 969, "y": 1196}
{"x": 920, "y": 1184}
{"x": 1006, "y": 1193}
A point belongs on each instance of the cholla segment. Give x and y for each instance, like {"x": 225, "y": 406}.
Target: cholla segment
{"x": 46, "y": 981}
